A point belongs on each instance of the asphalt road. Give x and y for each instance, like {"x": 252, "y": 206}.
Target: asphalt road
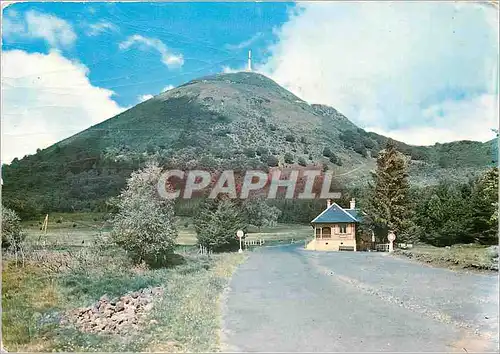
{"x": 289, "y": 299}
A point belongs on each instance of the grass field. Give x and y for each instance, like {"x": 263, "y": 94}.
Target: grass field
{"x": 81, "y": 228}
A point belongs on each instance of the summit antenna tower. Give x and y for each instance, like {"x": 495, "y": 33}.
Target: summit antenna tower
{"x": 249, "y": 68}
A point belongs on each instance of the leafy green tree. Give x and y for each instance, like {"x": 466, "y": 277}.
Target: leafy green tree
{"x": 144, "y": 225}
{"x": 302, "y": 162}
{"x": 388, "y": 206}
{"x": 216, "y": 224}
{"x": 258, "y": 213}
{"x": 12, "y": 233}
{"x": 288, "y": 158}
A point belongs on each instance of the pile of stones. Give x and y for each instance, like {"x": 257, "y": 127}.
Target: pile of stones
{"x": 117, "y": 315}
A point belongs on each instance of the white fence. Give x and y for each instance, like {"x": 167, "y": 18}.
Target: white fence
{"x": 204, "y": 250}
{"x": 259, "y": 242}
{"x": 384, "y": 247}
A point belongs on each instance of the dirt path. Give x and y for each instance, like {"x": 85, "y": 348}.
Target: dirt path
{"x": 289, "y": 299}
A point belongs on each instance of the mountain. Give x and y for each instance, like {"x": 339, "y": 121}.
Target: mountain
{"x": 240, "y": 120}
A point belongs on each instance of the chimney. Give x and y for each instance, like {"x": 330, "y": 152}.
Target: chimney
{"x": 353, "y": 204}
{"x": 328, "y": 203}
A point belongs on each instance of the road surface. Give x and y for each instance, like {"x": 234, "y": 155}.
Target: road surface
{"x": 288, "y": 299}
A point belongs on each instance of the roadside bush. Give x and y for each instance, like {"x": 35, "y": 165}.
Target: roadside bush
{"x": 12, "y": 233}
{"x": 144, "y": 225}
{"x": 302, "y": 161}
{"x": 288, "y": 158}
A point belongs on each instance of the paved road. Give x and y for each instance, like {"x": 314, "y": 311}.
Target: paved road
{"x": 289, "y": 299}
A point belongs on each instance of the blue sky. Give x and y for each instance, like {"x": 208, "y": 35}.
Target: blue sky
{"x": 207, "y": 35}
{"x": 419, "y": 72}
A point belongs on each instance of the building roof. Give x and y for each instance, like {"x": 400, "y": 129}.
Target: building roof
{"x": 355, "y": 213}
{"x": 335, "y": 213}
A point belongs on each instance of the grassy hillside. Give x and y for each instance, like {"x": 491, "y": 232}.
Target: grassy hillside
{"x": 241, "y": 120}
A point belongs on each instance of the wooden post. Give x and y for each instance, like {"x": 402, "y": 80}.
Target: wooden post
{"x": 45, "y": 223}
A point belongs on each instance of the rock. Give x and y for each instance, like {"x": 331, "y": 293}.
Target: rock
{"x": 119, "y": 315}
{"x": 119, "y": 306}
{"x": 148, "y": 307}
{"x": 107, "y": 307}
{"x": 157, "y": 291}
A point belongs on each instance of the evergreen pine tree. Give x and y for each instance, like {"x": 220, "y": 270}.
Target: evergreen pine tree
{"x": 216, "y": 224}
{"x": 388, "y": 206}
{"x": 485, "y": 208}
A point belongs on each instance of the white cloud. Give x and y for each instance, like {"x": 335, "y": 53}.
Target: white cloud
{"x": 229, "y": 70}
{"x": 389, "y": 66}
{"x": 167, "y": 57}
{"x": 244, "y": 44}
{"x": 46, "y": 98}
{"x": 95, "y": 29}
{"x": 143, "y": 98}
{"x": 57, "y": 32}
{"x": 451, "y": 121}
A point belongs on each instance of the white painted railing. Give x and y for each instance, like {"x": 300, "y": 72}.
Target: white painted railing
{"x": 382, "y": 247}
{"x": 259, "y": 242}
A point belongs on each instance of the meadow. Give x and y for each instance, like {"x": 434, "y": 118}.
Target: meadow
{"x": 72, "y": 266}
{"x": 77, "y": 229}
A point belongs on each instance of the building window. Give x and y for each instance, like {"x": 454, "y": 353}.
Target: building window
{"x": 343, "y": 229}
{"x": 326, "y": 232}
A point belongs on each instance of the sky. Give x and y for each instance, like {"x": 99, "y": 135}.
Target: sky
{"x": 419, "y": 72}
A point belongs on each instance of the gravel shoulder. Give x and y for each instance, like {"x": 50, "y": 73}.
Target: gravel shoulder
{"x": 288, "y": 299}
